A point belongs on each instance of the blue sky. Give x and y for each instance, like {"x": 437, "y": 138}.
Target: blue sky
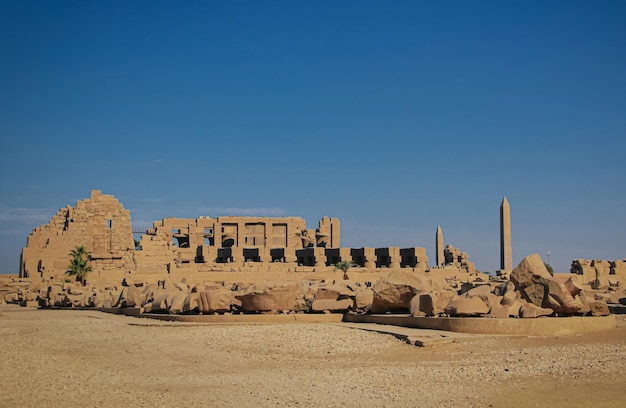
{"x": 395, "y": 117}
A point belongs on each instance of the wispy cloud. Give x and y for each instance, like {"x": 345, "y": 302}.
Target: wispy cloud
{"x": 25, "y": 215}
{"x": 256, "y": 212}
{"x": 152, "y": 200}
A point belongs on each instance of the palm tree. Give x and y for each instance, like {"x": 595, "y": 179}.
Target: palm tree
{"x": 79, "y": 263}
{"x": 344, "y": 266}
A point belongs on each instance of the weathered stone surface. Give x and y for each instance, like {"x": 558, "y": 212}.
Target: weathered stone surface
{"x": 177, "y": 302}
{"x": 55, "y": 295}
{"x": 572, "y": 287}
{"x": 467, "y": 306}
{"x": 599, "y": 308}
{"x": 479, "y": 290}
{"x": 216, "y": 300}
{"x": 560, "y": 300}
{"x": 538, "y": 287}
{"x": 270, "y": 296}
{"x": 530, "y": 278}
{"x": 510, "y": 296}
{"x": 363, "y": 299}
{"x": 617, "y": 296}
{"x": 11, "y": 297}
{"x": 333, "y": 292}
{"x": 74, "y": 289}
{"x": 454, "y": 258}
{"x": 162, "y": 301}
{"x": 415, "y": 306}
{"x": 97, "y": 299}
{"x": 499, "y": 310}
{"x": 431, "y": 303}
{"x": 30, "y": 296}
{"x": 100, "y": 223}
{"x": 394, "y": 292}
{"x": 530, "y": 310}
{"x": 332, "y": 305}
{"x": 131, "y": 296}
{"x": 515, "y": 308}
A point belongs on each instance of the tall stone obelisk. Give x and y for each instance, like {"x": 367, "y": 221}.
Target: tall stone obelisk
{"x": 439, "y": 246}
{"x": 506, "y": 252}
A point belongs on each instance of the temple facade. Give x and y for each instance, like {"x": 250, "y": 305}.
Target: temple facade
{"x": 196, "y": 248}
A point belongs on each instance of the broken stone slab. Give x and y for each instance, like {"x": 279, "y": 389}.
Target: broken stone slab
{"x": 499, "y": 310}
{"x": 599, "y": 308}
{"x": 216, "y": 300}
{"x": 333, "y": 292}
{"x": 431, "y": 303}
{"x": 483, "y": 290}
{"x": 393, "y": 293}
{"x": 537, "y": 286}
{"x": 530, "y": 310}
{"x": 572, "y": 287}
{"x": 332, "y": 305}
{"x": 364, "y": 298}
{"x": 270, "y": 296}
{"x": 467, "y": 306}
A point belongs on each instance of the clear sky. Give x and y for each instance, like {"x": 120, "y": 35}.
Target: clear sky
{"x": 394, "y": 116}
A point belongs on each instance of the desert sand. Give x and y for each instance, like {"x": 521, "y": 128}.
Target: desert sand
{"x": 74, "y": 358}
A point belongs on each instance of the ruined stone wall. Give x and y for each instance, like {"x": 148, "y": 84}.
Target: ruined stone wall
{"x": 100, "y": 224}
{"x": 454, "y": 257}
{"x": 600, "y": 274}
{"x": 176, "y": 241}
{"x": 197, "y": 248}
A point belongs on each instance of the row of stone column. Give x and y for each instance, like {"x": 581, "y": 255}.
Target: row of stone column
{"x": 390, "y": 257}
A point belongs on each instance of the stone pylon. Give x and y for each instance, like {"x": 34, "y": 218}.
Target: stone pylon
{"x": 439, "y": 246}
{"x": 506, "y": 252}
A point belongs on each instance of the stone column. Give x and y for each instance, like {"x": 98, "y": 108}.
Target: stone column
{"x": 506, "y": 252}
{"x": 439, "y": 247}
{"x": 370, "y": 258}
{"x": 320, "y": 256}
{"x": 394, "y": 258}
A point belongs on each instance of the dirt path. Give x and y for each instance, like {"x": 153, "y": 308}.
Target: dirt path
{"x": 89, "y": 359}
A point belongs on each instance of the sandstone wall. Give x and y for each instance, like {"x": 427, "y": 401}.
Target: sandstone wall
{"x": 204, "y": 248}
{"x": 599, "y": 273}
{"x": 100, "y": 224}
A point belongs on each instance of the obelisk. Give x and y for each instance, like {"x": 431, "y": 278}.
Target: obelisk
{"x": 439, "y": 246}
{"x": 506, "y": 253}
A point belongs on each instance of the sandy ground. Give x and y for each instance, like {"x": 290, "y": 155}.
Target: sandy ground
{"x": 55, "y": 358}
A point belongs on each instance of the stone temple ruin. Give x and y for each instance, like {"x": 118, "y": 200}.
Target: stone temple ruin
{"x": 232, "y": 264}
{"x": 193, "y": 248}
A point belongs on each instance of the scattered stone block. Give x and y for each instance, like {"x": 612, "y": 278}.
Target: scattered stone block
{"x": 538, "y": 287}
{"x": 270, "y": 296}
{"x": 191, "y": 302}
{"x": 431, "y": 303}
{"x": 530, "y": 310}
{"x": 332, "y": 305}
{"x": 393, "y": 293}
{"x": 467, "y": 306}
{"x": 599, "y": 308}
{"x": 363, "y": 299}
{"x": 217, "y": 300}
{"x": 499, "y": 311}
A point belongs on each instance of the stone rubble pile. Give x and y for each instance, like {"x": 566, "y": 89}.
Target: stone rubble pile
{"x": 531, "y": 292}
